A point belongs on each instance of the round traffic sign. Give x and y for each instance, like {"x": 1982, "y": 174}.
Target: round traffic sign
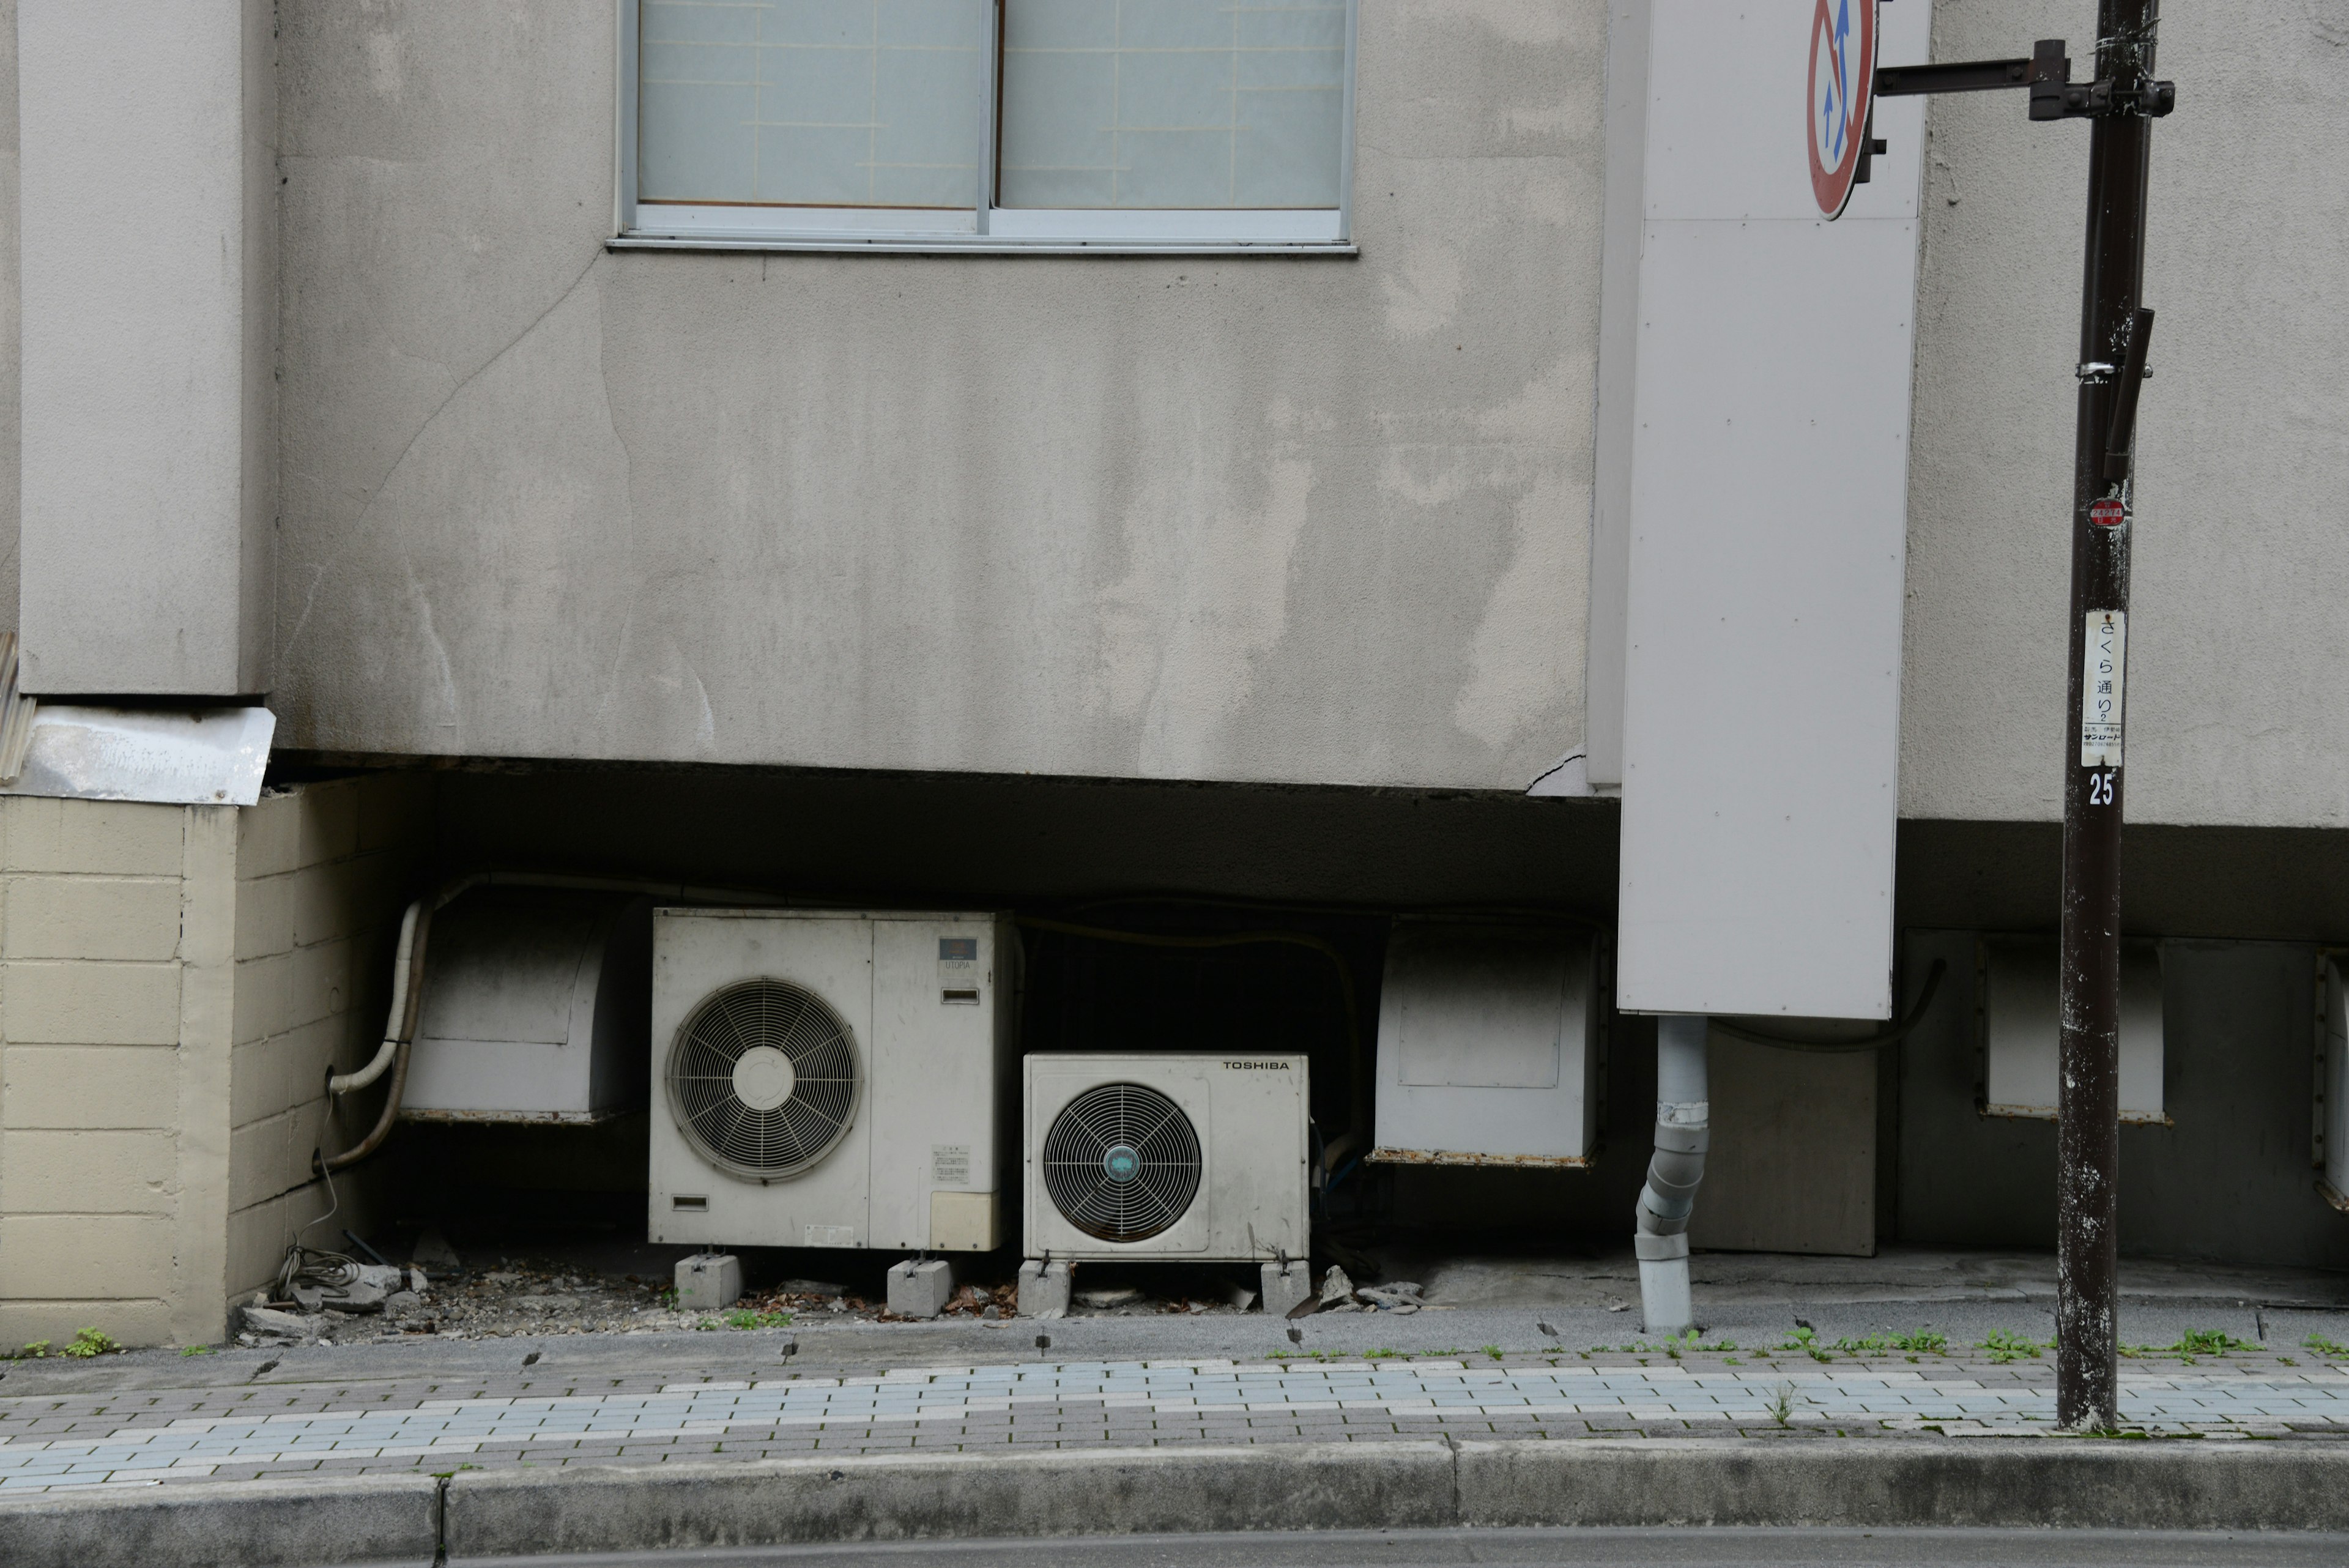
{"x": 2109, "y": 512}
{"x": 1843, "y": 84}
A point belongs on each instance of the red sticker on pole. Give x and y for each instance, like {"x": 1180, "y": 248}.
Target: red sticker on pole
{"x": 1842, "y": 83}
{"x": 2108, "y": 512}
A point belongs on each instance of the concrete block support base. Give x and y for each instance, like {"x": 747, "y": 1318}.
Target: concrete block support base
{"x": 918, "y": 1289}
{"x": 1286, "y": 1284}
{"x": 708, "y": 1281}
{"x": 1044, "y": 1289}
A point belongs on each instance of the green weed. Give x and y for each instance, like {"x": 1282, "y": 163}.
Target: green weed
{"x": 2324, "y": 1347}
{"x": 1781, "y": 1404}
{"x": 2003, "y": 1346}
{"x": 89, "y": 1341}
{"x": 195, "y": 1350}
{"x": 741, "y": 1317}
{"x": 1924, "y": 1340}
{"x": 1807, "y": 1342}
{"x": 1492, "y": 1350}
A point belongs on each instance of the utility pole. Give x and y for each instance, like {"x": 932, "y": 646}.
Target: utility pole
{"x": 2122, "y": 102}
{"x": 2113, "y": 327}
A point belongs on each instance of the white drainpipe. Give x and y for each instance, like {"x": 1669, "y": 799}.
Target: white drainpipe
{"x": 1683, "y": 1131}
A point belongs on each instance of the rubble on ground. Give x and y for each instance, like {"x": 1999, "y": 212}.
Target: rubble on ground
{"x": 530, "y": 1297}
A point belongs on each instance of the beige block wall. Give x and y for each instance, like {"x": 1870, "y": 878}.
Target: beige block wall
{"x": 322, "y": 874}
{"x": 174, "y": 984}
{"x": 115, "y": 994}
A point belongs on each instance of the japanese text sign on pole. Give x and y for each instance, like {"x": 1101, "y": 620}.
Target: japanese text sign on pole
{"x": 1842, "y": 86}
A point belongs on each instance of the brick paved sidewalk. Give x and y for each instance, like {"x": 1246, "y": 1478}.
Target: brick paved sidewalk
{"x": 428, "y": 1424}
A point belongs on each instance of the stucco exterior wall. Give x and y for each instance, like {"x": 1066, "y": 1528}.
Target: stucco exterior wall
{"x": 1241, "y": 518}
{"x": 2237, "y": 660}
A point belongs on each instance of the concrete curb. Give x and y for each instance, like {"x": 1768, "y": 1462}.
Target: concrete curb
{"x": 2028, "y": 1482}
{"x": 1288, "y": 1485}
{"x": 356, "y": 1519}
{"x": 579, "y": 1509}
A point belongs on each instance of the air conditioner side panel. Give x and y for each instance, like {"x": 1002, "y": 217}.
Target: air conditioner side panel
{"x": 697, "y": 951}
{"x": 932, "y": 1086}
{"x": 1258, "y": 1171}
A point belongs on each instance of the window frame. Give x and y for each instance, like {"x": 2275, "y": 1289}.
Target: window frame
{"x": 987, "y": 229}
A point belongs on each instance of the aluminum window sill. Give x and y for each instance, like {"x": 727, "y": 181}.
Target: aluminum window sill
{"x": 979, "y": 244}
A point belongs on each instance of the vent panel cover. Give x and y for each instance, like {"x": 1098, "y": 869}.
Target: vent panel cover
{"x": 764, "y": 1079}
{"x": 1121, "y": 1162}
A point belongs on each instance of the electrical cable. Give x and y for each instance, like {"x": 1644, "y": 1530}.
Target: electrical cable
{"x": 1888, "y": 1036}
{"x": 1357, "y": 1071}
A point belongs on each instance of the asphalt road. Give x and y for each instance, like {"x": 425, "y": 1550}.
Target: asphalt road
{"x": 1533, "y": 1549}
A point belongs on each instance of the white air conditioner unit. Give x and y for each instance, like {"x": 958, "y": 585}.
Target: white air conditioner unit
{"x": 2333, "y": 1107}
{"x": 1488, "y": 1045}
{"x": 831, "y": 1079}
{"x": 2019, "y": 985}
{"x": 533, "y": 1009}
{"x": 1160, "y": 1155}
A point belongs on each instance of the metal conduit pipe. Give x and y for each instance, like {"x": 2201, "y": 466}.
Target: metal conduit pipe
{"x": 1684, "y": 1120}
{"x": 408, "y": 980}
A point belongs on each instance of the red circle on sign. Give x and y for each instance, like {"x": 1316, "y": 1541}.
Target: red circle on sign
{"x": 2107, "y": 512}
{"x": 1842, "y": 85}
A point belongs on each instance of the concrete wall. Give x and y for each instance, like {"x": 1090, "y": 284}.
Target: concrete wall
{"x": 322, "y": 874}
{"x": 148, "y": 479}
{"x": 2236, "y": 664}
{"x": 1245, "y": 518}
{"x": 116, "y": 995}
{"x": 11, "y": 321}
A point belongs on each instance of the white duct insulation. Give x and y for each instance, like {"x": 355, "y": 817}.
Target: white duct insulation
{"x": 1683, "y": 1132}
{"x": 408, "y": 980}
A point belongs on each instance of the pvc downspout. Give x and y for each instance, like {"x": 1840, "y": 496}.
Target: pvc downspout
{"x": 1683, "y": 1133}
{"x": 408, "y": 980}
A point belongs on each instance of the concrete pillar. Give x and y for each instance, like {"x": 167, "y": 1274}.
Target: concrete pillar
{"x": 148, "y": 224}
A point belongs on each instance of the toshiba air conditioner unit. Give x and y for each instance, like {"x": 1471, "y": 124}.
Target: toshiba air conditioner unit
{"x": 1159, "y": 1155}
{"x": 831, "y": 1079}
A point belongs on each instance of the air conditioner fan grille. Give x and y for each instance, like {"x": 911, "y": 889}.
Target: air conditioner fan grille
{"x": 1121, "y": 1162}
{"x": 764, "y": 1142}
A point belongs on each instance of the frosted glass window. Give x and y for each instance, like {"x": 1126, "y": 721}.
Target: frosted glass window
{"x": 1172, "y": 103}
{"x": 826, "y": 103}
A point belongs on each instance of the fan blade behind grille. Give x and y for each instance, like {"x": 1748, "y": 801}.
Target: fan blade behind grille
{"x": 1112, "y": 1116}
{"x": 780, "y": 1141}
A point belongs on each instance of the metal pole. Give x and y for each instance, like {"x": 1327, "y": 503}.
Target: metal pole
{"x": 2088, "y": 1119}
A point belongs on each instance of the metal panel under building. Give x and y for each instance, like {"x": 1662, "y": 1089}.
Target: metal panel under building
{"x": 2018, "y": 989}
{"x": 1792, "y": 1163}
{"x": 1488, "y": 1045}
{"x": 2332, "y": 1104}
{"x": 536, "y": 1009}
{"x": 1770, "y": 394}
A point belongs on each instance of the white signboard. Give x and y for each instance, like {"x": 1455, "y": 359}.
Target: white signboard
{"x": 1768, "y": 512}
